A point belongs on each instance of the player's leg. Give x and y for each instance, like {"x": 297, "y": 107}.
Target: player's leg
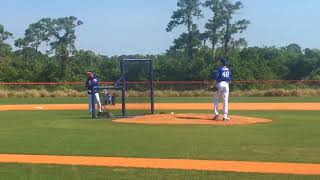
{"x": 226, "y": 102}
{"x": 216, "y": 102}
{"x": 90, "y": 103}
{"x": 98, "y": 101}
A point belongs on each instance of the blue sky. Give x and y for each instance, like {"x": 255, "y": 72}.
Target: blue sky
{"x": 115, "y": 27}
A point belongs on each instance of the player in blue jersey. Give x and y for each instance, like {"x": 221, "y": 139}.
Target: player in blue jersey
{"x": 223, "y": 76}
{"x": 91, "y": 83}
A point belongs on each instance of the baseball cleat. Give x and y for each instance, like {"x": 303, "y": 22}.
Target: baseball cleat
{"x": 216, "y": 118}
{"x": 226, "y": 118}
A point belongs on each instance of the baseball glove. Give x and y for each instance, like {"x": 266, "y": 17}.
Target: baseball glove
{"x": 214, "y": 88}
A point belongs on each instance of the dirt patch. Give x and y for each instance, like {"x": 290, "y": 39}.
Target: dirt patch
{"x": 179, "y": 164}
{"x": 204, "y": 119}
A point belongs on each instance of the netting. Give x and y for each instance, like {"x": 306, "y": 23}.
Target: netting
{"x": 138, "y": 94}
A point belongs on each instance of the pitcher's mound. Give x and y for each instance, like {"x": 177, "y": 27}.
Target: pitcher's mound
{"x": 204, "y": 119}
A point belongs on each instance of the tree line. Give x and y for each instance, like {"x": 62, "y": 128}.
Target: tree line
{"x": 193, "y": 56}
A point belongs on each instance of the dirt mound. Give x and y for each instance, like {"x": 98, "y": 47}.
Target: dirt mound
{"x": 205, "y": 119}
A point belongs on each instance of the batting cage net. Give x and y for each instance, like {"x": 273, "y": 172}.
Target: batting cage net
{"x": 139, "y": 97}
{"x": 131, "y": 98}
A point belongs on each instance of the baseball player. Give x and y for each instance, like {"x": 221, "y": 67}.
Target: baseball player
{"x": 108, "y": 97}
{"x": 223, "y": 76}
{"x": 91, "y": 82}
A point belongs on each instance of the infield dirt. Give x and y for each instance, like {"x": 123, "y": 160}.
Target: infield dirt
{"x": 170, "y": 106}
{"x": 179, "y": 164}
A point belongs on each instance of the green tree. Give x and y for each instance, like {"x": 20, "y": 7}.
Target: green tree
{"x": 294, "y": 48}
{"x": 215, "y": 24}
{"x": 221, "y": 28}
{"x": 187, "y": 42}
{"x": 4, "y": 35}
{"x": 5, "y": 48}
{"x": 233, "y": 28}
{"x": 59, "y": 34}
{"x": 62, "y": 31}
{"x": 187, "y": 11}
{"x": 34, "y": 36}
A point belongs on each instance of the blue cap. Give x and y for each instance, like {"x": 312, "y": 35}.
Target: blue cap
{"x": 224, "y": 61}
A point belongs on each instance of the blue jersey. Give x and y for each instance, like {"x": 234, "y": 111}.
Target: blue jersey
{"x": 223, "y": 74}
{"x": 92, "y": 82}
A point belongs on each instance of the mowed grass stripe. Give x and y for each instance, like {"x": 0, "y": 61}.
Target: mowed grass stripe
{"x": 83, "y": 100}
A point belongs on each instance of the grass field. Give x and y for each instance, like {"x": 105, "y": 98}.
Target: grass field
{"x": 292, "y": 137}
{"x": 78, "y": 100}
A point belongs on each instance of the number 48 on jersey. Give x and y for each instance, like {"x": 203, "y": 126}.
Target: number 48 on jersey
{"x": 226, "y": 74}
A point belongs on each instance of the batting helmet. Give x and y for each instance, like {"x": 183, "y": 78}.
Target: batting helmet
{"x": 224, "y": 61}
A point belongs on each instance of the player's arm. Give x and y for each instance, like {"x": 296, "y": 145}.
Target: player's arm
{"x": 231, "y": 76}
{"x": 215, "y": 76}
{"x": 93, "y": 83}
{"x": 86, "y": 84}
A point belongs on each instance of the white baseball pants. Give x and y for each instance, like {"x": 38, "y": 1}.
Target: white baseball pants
{"x": 222, "y": 90}
{"x": 97, "y": 101}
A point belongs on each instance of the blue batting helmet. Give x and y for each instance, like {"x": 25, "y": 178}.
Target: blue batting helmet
{"x": 224, "y": 61}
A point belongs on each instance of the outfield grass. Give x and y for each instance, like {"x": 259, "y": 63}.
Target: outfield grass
{"x": 78, "y": 100}
{"x": 292, "y": 137}
{"x": 49, "y": 172}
